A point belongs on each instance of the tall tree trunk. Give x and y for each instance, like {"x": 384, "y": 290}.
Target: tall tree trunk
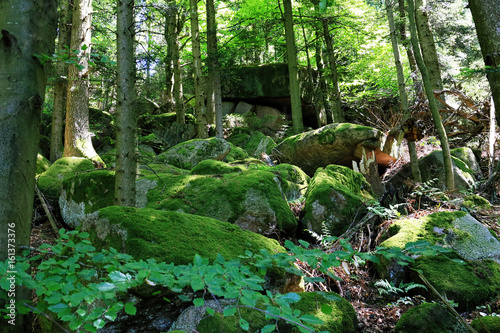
{"x": 198, "y": 89}
{"x": 61, "y": 83}
{"x": 170, "y": 19}
{"x": 403, "y": 96}
{"x": 77, "y": 136}
{"x": 486, "y": 15}
{"x": 338, "y": 114}
{"x": 428, "y": 46}
{"x": 213, "y": 86}
{"x": 126, "y": 119}
{"x": 291, "y": 54}
{"x": 27, "y": 27}
{"x": 450, "y": 181}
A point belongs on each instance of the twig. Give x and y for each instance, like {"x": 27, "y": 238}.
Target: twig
{"x": 46, "y": 316}
{"x": 446, "y": 303}
{"x": 47, "y": 211}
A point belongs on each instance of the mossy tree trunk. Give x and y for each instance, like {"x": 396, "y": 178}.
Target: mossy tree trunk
{"x": 293, "y": 74}
{"x": 403, "y": 96}
{"x": 213, "y": 84}
{"x": 450, "y": 182}
{"x": 27, "y": 27}
{"x": 486, "y": 15}
{"x": 198, "y": 88}
{"x": 126, "y": 119}
{"x": 77, "y": 135}
{"x": 338, "y": 114}
{"x": 61, "y": 83}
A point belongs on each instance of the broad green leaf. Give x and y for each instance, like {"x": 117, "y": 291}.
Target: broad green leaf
{"x": 311, "y": 320}
{"x": 130, "y": 309}
{"x": 244, "y": 324}
{"x": 210, "y": 311}
{"x": 58, "y": 307}
{"x": 105, "y": 286}
{"x": 229, "y": 311}
{"x": 268, "y": 328}
{"x": 199, "y": 301}
{"x": 326, "y": 309}
{"x": 197, "y": 283}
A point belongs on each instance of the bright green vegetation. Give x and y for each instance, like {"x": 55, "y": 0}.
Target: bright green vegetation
{"x": 428, "y": 317}
{"x": 213, "y": 167}
{"x": 476, "y": 202}
{"x": 253, "y": 142}
{"x": 486, "y": 324}
{"x": 42, "y": 164}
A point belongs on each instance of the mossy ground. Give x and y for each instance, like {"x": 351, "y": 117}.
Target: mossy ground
{"x": 342, "y": 319}
{"x": 427, "y": 318}
{"x": 488, "y": 324}
{"x": 177, "y": 237}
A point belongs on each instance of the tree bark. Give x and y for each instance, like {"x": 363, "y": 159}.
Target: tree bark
{"x": 77, "y": 136}
{"x": 338, "y": 114}
{"x": 198, "y": 89}
{"x": 450, "y": 181}
{"x": 291, "y": 53}
{"x": 27, "y": 27}
{"x": 486, "y": 15}
{"x": 126, "y": 119}
{"x": 213, "y": 86}
{"x": 61, "y": 82}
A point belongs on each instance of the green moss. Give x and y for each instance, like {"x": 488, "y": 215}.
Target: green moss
{"x": 51, "y": 180}
{"x": 154, "y": 169}
{"x": 172, "y": 236}
{"x": 342, "y": 319}
{"x": 476, "y": 201}
{"x": 294, "y": 181}
{"x": 42, "y": 164}
{"x": 94, "y": 188}
{"x": 236, "y": 154}
{"x": 213, "y": 167}
{"x": 488, "y": 324}
{"x": 426, "y": 318}
{"x": 225, "y": 197}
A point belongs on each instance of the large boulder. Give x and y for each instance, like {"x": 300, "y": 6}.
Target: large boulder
{"x": 470, "y": 283}
{"x": 334, "y": 196}
{"x": 429, "y": 317}
{"x": 171, "y": 236}
{"x": 331, "y": 144}
{"x": 167, "y": 131}
{"x": 187, "y": 154}
{"x": 253, "y": 142}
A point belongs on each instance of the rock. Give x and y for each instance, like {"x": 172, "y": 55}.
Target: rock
{"x": 191, "y": 317}
{"x": 474, "y": 202}
{"x": 42, "y": 164}
{"x": 342, "y": 319}
{"x": 468, "y": 284}
{"x": 50, "y": 181}
{"x": 252, "y": 199}
{"x": 213, "y": 167}
{"x": 294, "y": 181}
{"x": 266, "y": 117}
{"x": 236, "y": 154}
{"x": 253, "y": 142}
{"x": 145, "y": 154}
{"x": 429, "y": 317}
{"x": 331, "y": 144}
{"x": 467, "y": 156}
{"x": 228, "y": 107}
{"x": 187, "y": 154}
{"x": 334, "y": 196}
{"x": 166, "y": 129}
{"x": 487, "y": 324}
{"x": 171, "y": 236}
{"x": 243, "y": 108}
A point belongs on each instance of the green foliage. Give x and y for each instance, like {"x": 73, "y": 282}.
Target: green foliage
{"x": 385, "y": 287}
{"x": 84, "y": 287}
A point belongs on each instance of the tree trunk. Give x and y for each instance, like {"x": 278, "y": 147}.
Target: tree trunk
{"x": 198, "y": 89}
{"x": 213, "y": 85}
{"x": 428, "y": 46}
{"x": 403, "y": 96}
{"x": 486, "y": 15}
{"x": 61, "y": 83}
{"x": 297, "y": 124}
{"x": 338, "y": 114}
{"x": 27, "y": 28}
{"x": 77, "y": 136}
{"x": 169, "y": 71}
{"x": 126, "y": 120}
{"x": 450, "y": 181}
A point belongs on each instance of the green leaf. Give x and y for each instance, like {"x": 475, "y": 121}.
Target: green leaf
{"x": 229, "y": 311}
{"x": 244, "y": 324}
{"x": 199, "y": 301}
{"x": 311, "y": 320}
{"x": 99, "y": 323}
{"x": 197, "y": 283}
{"x": 326, "y": 309}
{"x": 130, "y": 309}
{"x": 210, "y": 311}
{"x": 290, "y": 297}
{"x": 105, "y": 286}
{"x": 268, "y": 328}
{"x": 58, "y": 307}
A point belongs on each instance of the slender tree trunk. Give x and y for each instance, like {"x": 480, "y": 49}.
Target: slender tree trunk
{"x": 214, "y": 88}
{"x": 486, "y": 15}
{"x": 27, "y": 27}
{"x": 492, "y": 140}
{"x": 61, "y": 83}
{"x": 198, "y": 89}
{"x": 126, "y": 119}
{"x": 450, "y": 181}
{"x": 404, "y": 39}
{"x": 403, "y": 96}
{"x": 77, "y": 136}
{"x": 170, "y": 18}
{"x": 428, "y": 46}
{"x": 291, "y": 53}
{"x": 338, "y": 114}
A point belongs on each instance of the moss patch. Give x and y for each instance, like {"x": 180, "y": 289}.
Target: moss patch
{"x": 51, "y": 180}
{"x": 42, "y": 164}
{"x": 171, "y": 236}
{"x": 236, "y": 154}
{"x": 476, "y": 202}
{"x": 426, "y": 318}
{"x": 213, "y": 167}
{"x": 488, "y": 324}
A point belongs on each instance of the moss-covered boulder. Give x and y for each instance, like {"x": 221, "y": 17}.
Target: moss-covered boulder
{"x": 50, "y": 181}
{"x": 429, "y": 317}
{"x": 253, "y": 142}
{"x": 331, "y": 144}
{"x": 187, "y": 154}
{"x": 252, "y": 199}
{"x": 85, "y": 193}
{"x": 469, "y": 283}
{"x": 467, "y": 156}
{"x": 294, "y": 181}
{"x": 342, "y": 319}
{"x": 145, "y": 155}
{"x": 487, "y": 324}
{"x": 334, "y": 196}
{"x": 213, "y": 167}
{"x": 171, "y": 236}
{"x": 474, "y": 202}
{"x": 236, "y": 154}
{"x": 42, "y": 164}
